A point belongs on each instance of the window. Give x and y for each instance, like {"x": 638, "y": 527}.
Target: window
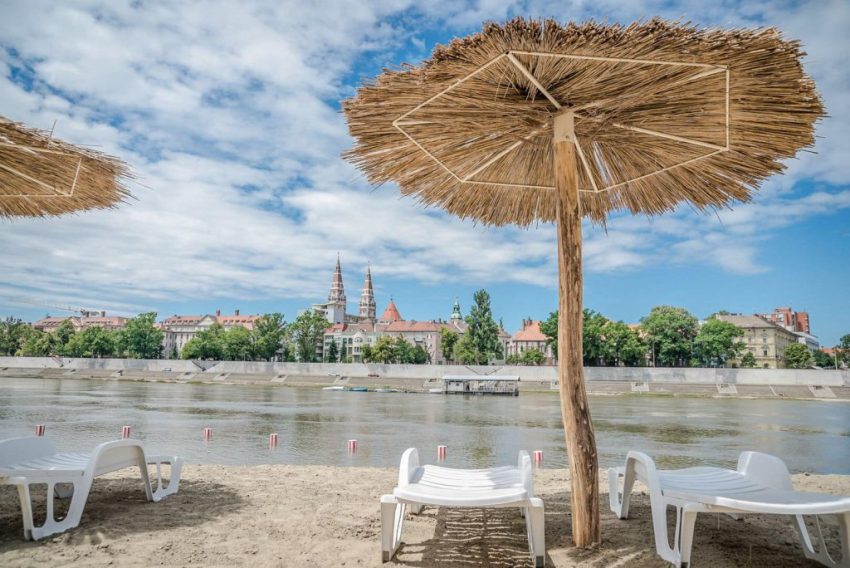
{"x": 765, "y": 352}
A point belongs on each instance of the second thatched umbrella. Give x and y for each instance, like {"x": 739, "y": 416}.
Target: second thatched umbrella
{"x": 533, "y": 121}
{"x": 40, "y": 175}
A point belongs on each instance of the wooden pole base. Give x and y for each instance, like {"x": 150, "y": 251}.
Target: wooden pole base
{"x": 578, "y": 428}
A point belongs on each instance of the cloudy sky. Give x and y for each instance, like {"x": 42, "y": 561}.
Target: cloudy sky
{"x": 229, "y": 115}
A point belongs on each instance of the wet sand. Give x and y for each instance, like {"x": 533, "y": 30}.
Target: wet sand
{"x": 283, "y": 515}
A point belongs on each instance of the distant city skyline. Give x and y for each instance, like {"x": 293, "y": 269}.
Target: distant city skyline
{"x": 243, "y": 201}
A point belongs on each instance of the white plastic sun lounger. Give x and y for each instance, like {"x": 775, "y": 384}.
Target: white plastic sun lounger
{"x": 761, "y": 484}
{"x": 28, "y": 461}
{"x": 436, "y": 486}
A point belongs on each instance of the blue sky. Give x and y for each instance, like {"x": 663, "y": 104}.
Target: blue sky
{"x": 229, "y": 115}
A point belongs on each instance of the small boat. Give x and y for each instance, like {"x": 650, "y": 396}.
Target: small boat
{"x": 387, "y": 390}
{"x": 435, "y": 391}
{"x": 334, "y": 388}
{"x": 359, "y": 389}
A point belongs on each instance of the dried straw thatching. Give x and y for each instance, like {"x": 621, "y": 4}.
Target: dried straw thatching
{"x": 40, "y": 175}
{"x": 664, "y": 114}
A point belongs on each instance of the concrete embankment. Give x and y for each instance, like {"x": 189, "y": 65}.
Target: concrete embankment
{"x": 778, "y": 383}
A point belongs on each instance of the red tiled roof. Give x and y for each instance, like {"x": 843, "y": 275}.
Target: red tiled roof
{"x": 391, "y": 313}
{"x": 400, "y": 326}
{"x": 531, "y": 332}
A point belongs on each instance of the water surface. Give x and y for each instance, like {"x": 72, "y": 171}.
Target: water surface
{"x": 480, "y": 431}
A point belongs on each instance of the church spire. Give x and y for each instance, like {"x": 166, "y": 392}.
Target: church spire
{"x": 456, "y": 315}
{"x": 337, "y": 294}
{"x": 367, "y": 298}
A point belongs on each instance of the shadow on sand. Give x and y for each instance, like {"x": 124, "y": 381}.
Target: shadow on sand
{"x": 496, "y": 538}
{"x": 118, "y": 507}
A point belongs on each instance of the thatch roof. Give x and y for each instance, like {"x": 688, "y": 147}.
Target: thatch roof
{"x": 40, "y": 175}
{"x": 664, "y": 114}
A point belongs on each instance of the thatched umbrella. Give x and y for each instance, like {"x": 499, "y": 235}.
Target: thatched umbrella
{"x": 533, "y": 121}
{"x": 40, "y": 175}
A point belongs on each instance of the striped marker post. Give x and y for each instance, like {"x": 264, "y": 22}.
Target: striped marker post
{"x": 538, "y": 458}
{"x": 352, "y": 447}
{"x": 273, "y": 440}
{"x": 39, "y": 430}
{"x": 125, "y": 432}
{"x": 207, "y": 434}
{"x": 441, "y": 453}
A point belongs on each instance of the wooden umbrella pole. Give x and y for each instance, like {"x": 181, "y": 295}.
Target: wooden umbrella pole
{"x": 578, "y": 428}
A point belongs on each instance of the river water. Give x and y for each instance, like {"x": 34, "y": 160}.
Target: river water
{"x": 480, "y": 431}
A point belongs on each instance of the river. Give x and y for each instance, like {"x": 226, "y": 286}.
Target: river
{"x": 480, "y": 431}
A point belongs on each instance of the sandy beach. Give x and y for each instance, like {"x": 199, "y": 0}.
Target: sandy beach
{"x": 326, "y": 516}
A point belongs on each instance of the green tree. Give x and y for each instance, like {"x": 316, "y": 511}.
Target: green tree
{"x": 382, "y": 351}
{"x": 593, "y": 337}
{"x": 207, "y": 344}
{"x": 238, "y": 344}
{"x": 402, "y": 351}
{"x": 307, "y": 332}
{"x": 38, "y": 344}
{"x": 549, "y": 328}
{"x": 92, "y": 342}
{"x": 843, "y": 349}
{"x": 420, "y": 356}
{"x": 823, "y": 360}
{"x": 622, "y": 345}
{"x": 140, "y": 338}
{"x": 532, "y": 357}
{"x": 366, "y": 354}
{"x": 481, "y": 340}
{"x": 62, "y": 337}
{"x": 717, "y": 342}
{"x": 448, "y": 340}
{"x": 670, "y": 332}
{"x": 797, "y": 356}
{"x": 269, "y": 335}
{"x": 13, "y": 334}
{"x": 332, "y": 353}
{"x": 748, "y": 360}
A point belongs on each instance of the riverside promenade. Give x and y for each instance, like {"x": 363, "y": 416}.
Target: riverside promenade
{"x": 760, "y": 383}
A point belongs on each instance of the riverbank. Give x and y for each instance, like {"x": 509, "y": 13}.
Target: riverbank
{"x": 730, "y": 383}
{"x": 283, "y": 515}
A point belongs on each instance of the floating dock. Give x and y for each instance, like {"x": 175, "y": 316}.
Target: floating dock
{"x": 481, "y": 384}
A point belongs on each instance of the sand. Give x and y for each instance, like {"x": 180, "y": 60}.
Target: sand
{"x": 325, "y": 516}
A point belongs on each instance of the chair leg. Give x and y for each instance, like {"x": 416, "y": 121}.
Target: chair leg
{"x": 686, "y": 536}
{"x": 80, "y": 494}
{"x": 821, "y": 554}
{"x": 535, "y": 525}
{"x": 619, "y": 502}
{"x": 392, "y": 523}
{"x": 26, "y": 508}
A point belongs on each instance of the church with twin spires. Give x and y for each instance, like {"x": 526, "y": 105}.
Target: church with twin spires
{"x": 353, "y": 331}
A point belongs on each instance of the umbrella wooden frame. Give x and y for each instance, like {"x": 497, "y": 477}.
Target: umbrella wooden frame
{"x": 707, "y": 70}
{"x": 578, "y": 426}
{"x": 52, "y": 191}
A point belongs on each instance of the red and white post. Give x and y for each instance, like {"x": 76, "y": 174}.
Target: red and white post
{"x": 125, "y": 432}
{"x": 273, "y": 440}
{"x": 441, "y": 453}
{"x": 39, "y": 430}
{"x": 207, "y": 433}
{"x": 537, "y": 458}
{"x": 352, "y": 447}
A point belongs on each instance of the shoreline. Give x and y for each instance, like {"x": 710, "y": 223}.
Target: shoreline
{"x": 283, "y": 515}
{"x": 595, "y": 386}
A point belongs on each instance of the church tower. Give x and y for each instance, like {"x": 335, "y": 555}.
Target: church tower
{"x": 456, "y": 315}
{"x": 367, "y": 299}
{"x": 336, "y": 298}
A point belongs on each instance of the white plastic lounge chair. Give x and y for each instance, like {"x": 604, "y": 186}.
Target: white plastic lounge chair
{"x": 436, "y": 486}
{"x": 33, "y": 460}
{"x": 761, "y": 484}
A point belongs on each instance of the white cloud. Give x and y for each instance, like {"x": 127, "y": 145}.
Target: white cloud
{"x": 228, "y": 113}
